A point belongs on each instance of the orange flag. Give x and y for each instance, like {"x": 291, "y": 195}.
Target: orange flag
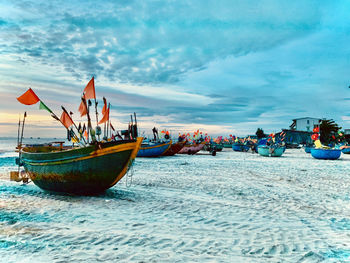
{"x": 104, "y": 106}
{"x": 105, "y": 117}
{"x": 28, "y": 98}
{"x": 82, "y": 109}
{"x": 89, "y": 90}
{"x": 66, "y": 120}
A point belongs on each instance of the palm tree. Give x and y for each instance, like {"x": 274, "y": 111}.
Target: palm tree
{"x": 328, "y": 131}
{"x": 260, "y": 133}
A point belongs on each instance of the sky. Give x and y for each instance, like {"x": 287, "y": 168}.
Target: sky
{"x": 224, "y": 67}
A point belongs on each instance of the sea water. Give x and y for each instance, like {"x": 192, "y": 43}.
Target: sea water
{"x": 234, "y": 207}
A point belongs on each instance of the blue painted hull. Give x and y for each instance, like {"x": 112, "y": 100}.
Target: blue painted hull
{"x": 308, "y": 149}
{"x": 237, "y": 147}
{"x": 346, "y": 150}
{"x": 153, "y": 150}
{"x": 326, "y": 154}
{"x": 273, "y": 152}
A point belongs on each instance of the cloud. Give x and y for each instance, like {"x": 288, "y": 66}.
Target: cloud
{"x": 235, "y": 64}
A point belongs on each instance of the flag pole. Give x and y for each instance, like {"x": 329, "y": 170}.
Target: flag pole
{"x": 24, "y": 118}
{"x": 109, "y": 111}
{"x": 19, "y": 127}
{"x": 88, "y": 116}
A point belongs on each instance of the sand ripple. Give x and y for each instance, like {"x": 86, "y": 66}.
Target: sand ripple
{"x": 235, "y": 207}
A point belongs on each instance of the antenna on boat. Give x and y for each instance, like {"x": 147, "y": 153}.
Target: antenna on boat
{"x": 136, "y": 131}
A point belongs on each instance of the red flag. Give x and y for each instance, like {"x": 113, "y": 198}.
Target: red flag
{"x": 28, "y": 98}
{"x": 104, "y": 106}
{"x": 105, "y": 117}
{"x": 82, "y": 109}
{"x": 66, "y": 120}
{"x": 89, "y": 90}
{"x": 316, "y": 129}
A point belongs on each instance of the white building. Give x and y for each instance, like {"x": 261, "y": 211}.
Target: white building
{"x": 305, "y": 124}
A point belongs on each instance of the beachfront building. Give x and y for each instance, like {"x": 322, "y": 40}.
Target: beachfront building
{"x": 300, "y": 131}
{"x": 305, "y": 124}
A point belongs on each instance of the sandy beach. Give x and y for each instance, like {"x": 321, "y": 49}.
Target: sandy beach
{"x": 234, "y": 207}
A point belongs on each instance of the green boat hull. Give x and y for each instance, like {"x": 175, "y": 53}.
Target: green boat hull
{"x": 85, "y": 170}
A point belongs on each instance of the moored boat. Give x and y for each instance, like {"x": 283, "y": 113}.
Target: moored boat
{"x": 174, "y": 148}
{"x": 192, "y": 148}
{"x": 273, "y": 151}
{"x": 346, "y": 150}
{"x": 307, "y": 149}
{"x": 240, "y": 147}
{"x": 153, "y": 149}
{"x": 79, "y": 170}
{"x": 326, "y": 154}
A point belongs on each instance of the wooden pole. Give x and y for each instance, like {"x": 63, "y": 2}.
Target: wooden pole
{"x": 19, "y": 127}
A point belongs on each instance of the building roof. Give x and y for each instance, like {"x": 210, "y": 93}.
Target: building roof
{"x": 307, "y": 118}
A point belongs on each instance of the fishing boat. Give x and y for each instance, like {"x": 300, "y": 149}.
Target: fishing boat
{"x": 174, "y": 148}
{"x": 153, "y": 149}
{"x": 240, "y": 147}
{"x": 213, "y": 146}
{"x": 227, "y": 145}
{"x": 192, "y": 148}
{"x": 326, "y": 154}
{"x": 79, "y": 170}
{"x": 89, "y": 165}
{"x": 273, "y": 150}
{"x": 346, "y": 150}
{"x": 307, "y": 149}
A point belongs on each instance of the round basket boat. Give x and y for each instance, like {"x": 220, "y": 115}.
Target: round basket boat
{"x": 308, "y": 149}
{"x": 346, "y": 150}
{"x": 265, "y": 150}
{"x": 326, "y": 154}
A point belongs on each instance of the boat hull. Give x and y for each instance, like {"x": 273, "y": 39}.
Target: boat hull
{"x": 154, "y": 150}
{"x": 271, "y": 151}
{"x": 326, "y": 154}
{"x": 346, "y": 150}
{"x": 86, "y": 170}
{"x": 238, "y": 147}
{"x": 174, "y": 148}
{"x": 308, "y": 149}
{"x": 192, "y": 148}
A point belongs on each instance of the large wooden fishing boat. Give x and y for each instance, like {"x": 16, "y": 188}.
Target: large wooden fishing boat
{"x": 174, "y": 148}
{"x": 80, "y": 170}
{"x": 91, "y": 164}
{"x": 192, "y": 148}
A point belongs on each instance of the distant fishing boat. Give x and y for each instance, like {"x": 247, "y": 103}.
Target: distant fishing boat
{"x": 153, "y": 149}
{"x": 307, "y": 149}
{"x": 273, "y": 151}
{"x": 326, "y": 154}
{"x": 345, "y": 149}
{"x": 240, "y": 147}
{"x": 192, "y": 148}
{"x": 174, "y": 148}
{"x": 79, "y": 170}
{"x": 213, "y": 146}
{"x": 227, "y": 145}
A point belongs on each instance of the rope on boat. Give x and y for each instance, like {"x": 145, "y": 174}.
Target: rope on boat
{"x": 128, "y": 176}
